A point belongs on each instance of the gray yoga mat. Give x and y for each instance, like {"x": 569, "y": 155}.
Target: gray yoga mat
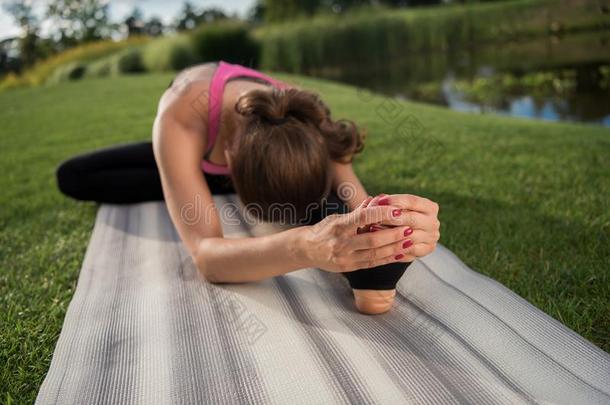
{"x": 144, "y": 328}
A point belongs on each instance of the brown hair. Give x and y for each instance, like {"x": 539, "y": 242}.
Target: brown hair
{"x": 282, "y": 160}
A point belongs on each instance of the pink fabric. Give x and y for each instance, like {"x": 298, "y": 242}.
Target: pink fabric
{"x": 223, "y": 73}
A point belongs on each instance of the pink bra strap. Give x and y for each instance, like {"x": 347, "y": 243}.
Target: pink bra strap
{"x": 223, "y": 73}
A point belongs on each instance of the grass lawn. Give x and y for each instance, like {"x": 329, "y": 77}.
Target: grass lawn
{"x": 521, "y": 201}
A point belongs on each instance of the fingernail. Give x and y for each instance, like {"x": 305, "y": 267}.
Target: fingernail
{"x": 407, "y": 244}
{"x": 408, "y": 231}
{"x": 398, "y": 257}
{"x": 396, "y": 213}
{"x": 384, "y": 201}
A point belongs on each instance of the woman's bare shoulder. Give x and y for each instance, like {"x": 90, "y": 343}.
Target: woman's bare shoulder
{"x": 193, "y": 75}
{"x": 186, "y": 99}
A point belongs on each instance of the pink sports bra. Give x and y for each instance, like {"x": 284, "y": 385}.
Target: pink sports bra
{"x": 224, "y": 72}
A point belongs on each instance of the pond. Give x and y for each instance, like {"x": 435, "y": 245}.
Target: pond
{"x": 557, "y": 78}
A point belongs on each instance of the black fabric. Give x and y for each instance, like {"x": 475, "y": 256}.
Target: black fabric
{"x": 375, "y": 278}
{"x": 128, "y": 173}
{"x": 383, "y": 277}
{"x": 121, "y": 174}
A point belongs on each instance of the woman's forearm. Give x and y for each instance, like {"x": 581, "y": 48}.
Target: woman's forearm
{"x": 252, "y": 259}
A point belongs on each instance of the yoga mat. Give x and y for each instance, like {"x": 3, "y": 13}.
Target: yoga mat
{"x": 144, "y": 328}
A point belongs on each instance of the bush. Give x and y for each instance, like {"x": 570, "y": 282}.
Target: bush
{"x": 130, "y": 61}
{"x": 83, "y": 54}
{"x": 69, "y": 71}
{"x": 370, "y": 36}
{"x": 169, "y": 53}
{"x": 127, "y": 61}
{"x": 229, "y": 41}
{"x": 10, "y": 81}
{"x": 103, "y": 67}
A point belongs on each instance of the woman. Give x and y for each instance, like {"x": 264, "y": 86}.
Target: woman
{"x": 223, "y": 128}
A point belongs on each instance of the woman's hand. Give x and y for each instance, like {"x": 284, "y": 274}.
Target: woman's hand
{"x": 421, "y": 215}
{"x": 335, "y": 244}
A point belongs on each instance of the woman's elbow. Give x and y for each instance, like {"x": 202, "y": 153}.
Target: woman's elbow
{"x": 205, "y": 272}
{"x": 204, "y": 265}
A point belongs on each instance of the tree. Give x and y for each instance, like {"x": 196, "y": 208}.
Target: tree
{"x": 411, "y": 3}
{"x": 282, "y": 10}
{"x": 257, "y": 12}
{"x": 3, "y": 62}
{"x": 22, "y": 12}
{"x": 134, "y": 23}
{"x": 211, "y": 15}
{"x": 9, "y": 51}
{"x": 79, "y": 20}
{"x": 188, "y": 18}
{"x": 153, "y": 27}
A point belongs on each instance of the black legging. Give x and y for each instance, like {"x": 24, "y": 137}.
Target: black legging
{"x": 120, "y": 174}
{"x": 128, "y": 173}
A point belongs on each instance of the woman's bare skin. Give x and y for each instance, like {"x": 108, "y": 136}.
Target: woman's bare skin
{"x": 374, "y": 302}
{"x": 180, "y": 140}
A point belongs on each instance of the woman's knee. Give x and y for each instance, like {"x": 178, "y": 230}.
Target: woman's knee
{"x": 68, "y": 178}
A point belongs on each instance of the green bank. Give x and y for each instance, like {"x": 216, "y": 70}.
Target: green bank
{"x": 524, "y": 202}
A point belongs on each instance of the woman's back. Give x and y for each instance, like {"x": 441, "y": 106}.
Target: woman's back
{"x": 201, "y": 89}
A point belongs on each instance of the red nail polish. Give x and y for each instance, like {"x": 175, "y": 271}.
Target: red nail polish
{"x": 398, "y": 257}
{"x": 408, "y": 231}
{"x": 396, "y": 213}
{"x": 384, "y": 201}
{"x": 407, "y": 244}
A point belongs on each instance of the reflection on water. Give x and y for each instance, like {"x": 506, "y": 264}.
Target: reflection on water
{"x": 553, "y": 78}
{"x": 589, "y": 106}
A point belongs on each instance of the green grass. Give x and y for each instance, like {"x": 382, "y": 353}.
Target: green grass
{"x": 524, "y": 202}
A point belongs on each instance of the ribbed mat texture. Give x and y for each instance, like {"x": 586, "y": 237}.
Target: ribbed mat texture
{"x": 144, "y": 328}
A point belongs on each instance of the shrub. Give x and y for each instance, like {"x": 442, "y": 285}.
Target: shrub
{"x": 230, "y": 41}
{"x": 130, "y": 61}
{"x": 127, "y": 61}
{"x": 169, "y": 53}
{"x": 10, "y": 81}
{"x": 370, "y": 36}
{"x": 103, "y": 67}
{"x": 69, "y": 71}
{"x": 43, "y": 70}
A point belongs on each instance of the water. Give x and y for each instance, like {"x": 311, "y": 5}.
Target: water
{"x": 586, "y": 105}
{"x": 554, "y": 78}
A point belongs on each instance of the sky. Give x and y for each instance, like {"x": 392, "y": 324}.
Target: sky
{"x": 164, "y": 9}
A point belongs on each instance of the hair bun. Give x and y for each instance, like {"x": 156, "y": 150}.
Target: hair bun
{"x": 278, "y": 106}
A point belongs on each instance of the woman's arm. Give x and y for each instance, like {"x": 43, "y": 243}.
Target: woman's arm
{"x": 178, "y": 150}
{"x": 179, "y": 143}
{"x": 418, "y": 213}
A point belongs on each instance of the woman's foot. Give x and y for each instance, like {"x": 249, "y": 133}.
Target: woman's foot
{"x": 373, "y": 302}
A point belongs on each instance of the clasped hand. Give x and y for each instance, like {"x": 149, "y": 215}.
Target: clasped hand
{"x": 383, "y": 229}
